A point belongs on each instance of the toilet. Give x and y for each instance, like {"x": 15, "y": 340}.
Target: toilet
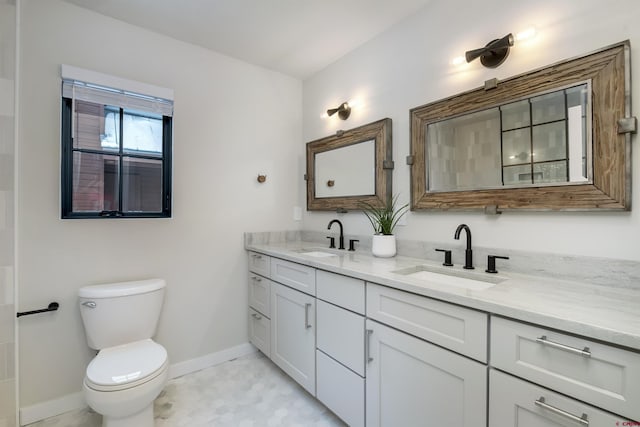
{"x": 130, "y": 369}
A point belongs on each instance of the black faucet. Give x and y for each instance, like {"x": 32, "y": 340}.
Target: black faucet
{"x": 341, "y": 241}
{"x": 468, "y": 253}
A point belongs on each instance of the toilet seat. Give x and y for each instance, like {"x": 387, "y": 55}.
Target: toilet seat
{"x": 126, "y": 366}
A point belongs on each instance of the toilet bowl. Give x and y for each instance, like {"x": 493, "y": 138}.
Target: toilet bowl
{"x": 122, "y": 382}
{"x": 130, "y": 370}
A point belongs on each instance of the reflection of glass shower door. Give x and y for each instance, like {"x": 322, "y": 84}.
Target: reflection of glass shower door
{"x": 7, "y": 192}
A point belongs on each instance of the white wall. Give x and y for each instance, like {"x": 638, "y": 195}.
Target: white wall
{"x": 409, "y": 65}
{"x": 7, "y": 218}
{"x": 232, "y": 121}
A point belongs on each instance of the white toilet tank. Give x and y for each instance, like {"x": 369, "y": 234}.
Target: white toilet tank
{"x": 120, "y": 313}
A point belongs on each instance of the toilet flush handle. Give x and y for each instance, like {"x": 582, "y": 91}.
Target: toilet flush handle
{"x": 90, "y": 304}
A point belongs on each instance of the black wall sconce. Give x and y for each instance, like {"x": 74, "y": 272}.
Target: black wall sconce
{"x": 494, "y": 53}
{"x": 343, "y": 111}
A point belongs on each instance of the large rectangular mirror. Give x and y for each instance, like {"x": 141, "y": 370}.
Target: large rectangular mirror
{"x": 541, "y": 140}
{"x": 350, "y": 167}
{"x": 544, "y": 140}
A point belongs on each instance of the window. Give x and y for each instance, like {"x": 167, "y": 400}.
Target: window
{"x": 116, "y": 152}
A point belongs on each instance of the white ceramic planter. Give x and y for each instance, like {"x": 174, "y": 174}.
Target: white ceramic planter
{"x": 383, "y": 245}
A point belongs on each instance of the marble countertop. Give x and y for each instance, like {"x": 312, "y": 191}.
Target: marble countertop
{"x": 605, "y": 313}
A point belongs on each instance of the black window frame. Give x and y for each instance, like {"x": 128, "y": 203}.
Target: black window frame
{"x": 67, "y": 170}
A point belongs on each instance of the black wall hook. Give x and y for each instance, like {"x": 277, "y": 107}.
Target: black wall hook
{"x": 53, "y": 306}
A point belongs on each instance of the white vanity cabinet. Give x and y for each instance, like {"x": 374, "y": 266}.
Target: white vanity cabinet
{"x": 340, "y": 346}
{"x": 260, "y": 302}
{"x": 293, "y": 334}
{"x": 282, "y": 318}
{"x": 382, "y": 356}
{"x": 599, "y": 374}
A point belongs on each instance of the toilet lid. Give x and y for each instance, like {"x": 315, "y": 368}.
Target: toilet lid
{"x": 124, "y": 364}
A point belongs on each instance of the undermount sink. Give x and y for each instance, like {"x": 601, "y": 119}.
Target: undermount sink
{"x": 447, "y": 276}
{"x": 315, "y": 253}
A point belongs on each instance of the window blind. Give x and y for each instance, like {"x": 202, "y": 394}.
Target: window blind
{"x": 91, "y": 86}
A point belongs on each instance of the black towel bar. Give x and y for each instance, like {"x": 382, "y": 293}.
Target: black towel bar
{"x": 53, "y": 306}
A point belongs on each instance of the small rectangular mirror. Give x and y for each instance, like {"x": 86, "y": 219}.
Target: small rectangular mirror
{"x": 350, "y": 167}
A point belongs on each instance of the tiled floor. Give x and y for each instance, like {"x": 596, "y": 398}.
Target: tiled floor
{"x": 246, "y": 392}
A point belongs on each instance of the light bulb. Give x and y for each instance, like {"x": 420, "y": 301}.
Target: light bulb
{"x": 526, "y": 34}
{"x": 458, "y": 60}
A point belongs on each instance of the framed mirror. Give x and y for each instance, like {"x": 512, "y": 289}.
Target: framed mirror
{"x": 553, "y": 139}
{"x": 350, "y": 167}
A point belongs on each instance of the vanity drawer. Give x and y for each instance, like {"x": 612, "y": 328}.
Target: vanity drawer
{"x": 260, "y": 332}
{"x": 260, "y": 264}
{"x": 294, "y": 275}
{"x": 340, "y": 389}
{"x": 344, "y": 291}
{"x": 596, "y": 373}
{"x": 340, "y": 334}
{"x": 259, "y": 289}
{"x": 457, "y": 328}
{"x": 512, "y": 403}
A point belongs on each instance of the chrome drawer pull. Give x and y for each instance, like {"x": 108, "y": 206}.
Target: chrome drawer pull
{"x": 306, "y": 316}
{"x": 584, "y": 420}
{"x": 256, "y": 316}
{"x": 256, "y": 279}
{"x": 582, "y": 352}
{"x": 368, "y": 346}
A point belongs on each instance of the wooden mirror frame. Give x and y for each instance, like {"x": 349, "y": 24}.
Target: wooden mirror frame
{"x": 609, "y": 72}
{"x": 380, "y": 132}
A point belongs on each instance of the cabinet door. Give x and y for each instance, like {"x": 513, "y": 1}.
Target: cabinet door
{"x": 411, "y": 382}
{"x": 293, "y": 316}
{"x": 512, "y": 403}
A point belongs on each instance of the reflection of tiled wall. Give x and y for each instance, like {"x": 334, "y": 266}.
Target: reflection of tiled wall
{"x": 465, "y": 152}
{"x": 7, "y": 188}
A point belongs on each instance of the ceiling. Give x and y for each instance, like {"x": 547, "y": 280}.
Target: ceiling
{"x": 295, "y": 37}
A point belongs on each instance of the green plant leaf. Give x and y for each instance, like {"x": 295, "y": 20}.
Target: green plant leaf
{"x": 384, "y": 219}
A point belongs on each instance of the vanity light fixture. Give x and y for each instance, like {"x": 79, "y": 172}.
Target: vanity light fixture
{"x": 343, "y": 111}
{"x": 494, "y": 53}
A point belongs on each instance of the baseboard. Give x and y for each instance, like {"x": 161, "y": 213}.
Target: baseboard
{"x": 51, "y": 408}
{"x": 192, "y": 365}
{"x": 74, "y": 401}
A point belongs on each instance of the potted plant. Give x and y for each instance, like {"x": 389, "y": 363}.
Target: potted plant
{"x": 384, "y": 219}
